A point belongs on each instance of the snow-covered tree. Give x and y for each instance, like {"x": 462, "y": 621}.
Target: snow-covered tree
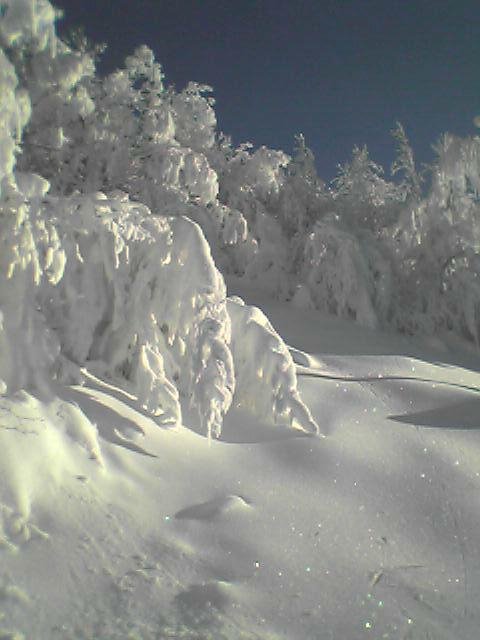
{"x": 363, "y": 197}
{"x": 303, "y": 198}
{"x": 90, "y": 280}
{"x": 110, "y": 259}
{"x": 343, "y": 275}
{"x": 404, "y": 164}
{"x": 440, "y": 265}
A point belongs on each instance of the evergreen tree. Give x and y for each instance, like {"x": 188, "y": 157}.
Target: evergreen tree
{"x": 404, "y": 164}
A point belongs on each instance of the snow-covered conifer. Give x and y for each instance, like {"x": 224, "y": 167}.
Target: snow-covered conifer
{"x": 363, "y": 196}
{"x": 405, "y": 164}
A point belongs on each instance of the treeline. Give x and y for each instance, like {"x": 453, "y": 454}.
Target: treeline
{"x": 384, "y": 252}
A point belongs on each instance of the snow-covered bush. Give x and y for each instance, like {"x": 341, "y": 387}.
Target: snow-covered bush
{"x": 137, "y": 298}
{"x": 27, "y": 24}
{"x": 266, "y": 383}
{"x": 456, "y": 176}
{"x": 31, "y": 252}
{"x": 195, "y": 117}
{"x": 410, "y": 187}
{"x": 250, "y": 183}
{"x": 56, "y": 78}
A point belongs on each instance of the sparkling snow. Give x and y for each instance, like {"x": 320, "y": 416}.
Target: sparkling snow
{"x": 267, "y": 532}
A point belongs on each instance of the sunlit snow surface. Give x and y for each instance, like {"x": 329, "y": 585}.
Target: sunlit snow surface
{"x": 115, "y": 527}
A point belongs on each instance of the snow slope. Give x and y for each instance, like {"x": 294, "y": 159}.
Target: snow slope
{"x": 114, "y": 526}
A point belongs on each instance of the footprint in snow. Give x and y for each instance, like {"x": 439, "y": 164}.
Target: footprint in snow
{"x": 212, "y": 509}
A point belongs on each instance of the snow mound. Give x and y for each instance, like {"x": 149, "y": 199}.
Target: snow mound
{"x": 40, "y": 441}
{"x": 212, "y": 508}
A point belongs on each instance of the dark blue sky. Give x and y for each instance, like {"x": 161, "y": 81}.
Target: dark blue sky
{"x": 340, "y": 72}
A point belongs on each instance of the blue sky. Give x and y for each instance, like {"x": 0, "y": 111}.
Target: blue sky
{"x": 340, "y": 72}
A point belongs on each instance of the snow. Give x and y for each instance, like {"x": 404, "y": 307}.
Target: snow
{"x": 183, "y": 455}
{"x": 100, "y": 282}
{"x": 114, "y": 526}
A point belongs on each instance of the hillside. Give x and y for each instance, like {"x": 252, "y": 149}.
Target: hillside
{"x": 235, "y": 402}
{"x": 264, "y": 533}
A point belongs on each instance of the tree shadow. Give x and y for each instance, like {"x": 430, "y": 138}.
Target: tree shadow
{"x": 241, "y": 427}
{"x": 312, "y": 373}
{"x": 458, "y": 415}
{"x": 108, "y": 414}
